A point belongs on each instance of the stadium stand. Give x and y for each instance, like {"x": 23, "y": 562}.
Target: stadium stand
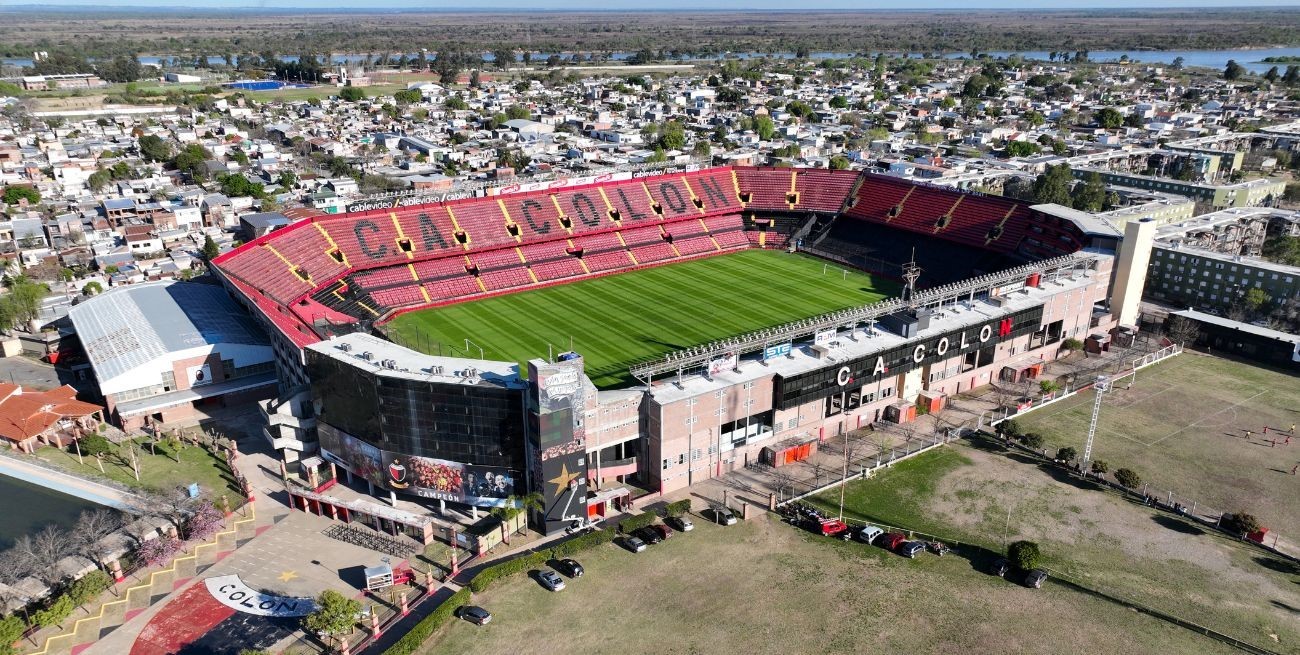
{"x": 316, "y": 275}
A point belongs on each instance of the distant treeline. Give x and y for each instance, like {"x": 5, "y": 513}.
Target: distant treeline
{"x": 104, "y": 36}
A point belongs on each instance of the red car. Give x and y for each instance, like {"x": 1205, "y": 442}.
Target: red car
{"x": 833, "y": 528}
{"x": 891, "y": 540}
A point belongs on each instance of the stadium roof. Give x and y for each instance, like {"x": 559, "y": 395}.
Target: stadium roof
{"x": 1276, "y": 335}
{"x": 130, "y": 326}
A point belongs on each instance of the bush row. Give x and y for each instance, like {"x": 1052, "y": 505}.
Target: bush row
{"x": 491, "y": 574}
{"x": 678, "y": 508}
{"x": 508, "y": 568}
{"x": 413, "y": 640}
{"x": 638, "y": 521}
{"x": 585, "y": 542}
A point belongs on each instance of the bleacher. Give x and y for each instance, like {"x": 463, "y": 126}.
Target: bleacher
{"x": 363, "y": 265}
{"x": 767, "y": 188}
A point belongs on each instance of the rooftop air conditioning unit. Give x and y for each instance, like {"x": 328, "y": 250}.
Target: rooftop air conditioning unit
{"x": 345, "y": 347}
{"x": 368, "y": 356}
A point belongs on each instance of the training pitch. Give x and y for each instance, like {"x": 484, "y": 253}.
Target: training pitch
{"x": 619, "y": 320}
{"x": 1182, "y": 427}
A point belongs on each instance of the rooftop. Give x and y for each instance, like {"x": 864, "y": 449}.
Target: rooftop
{"x": 129, "y": 326}
{"x": 372, "y": 353}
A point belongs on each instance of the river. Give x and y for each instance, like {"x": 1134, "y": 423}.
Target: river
{"x": 1207, "y": 58}
{"x": 28, "y": 507}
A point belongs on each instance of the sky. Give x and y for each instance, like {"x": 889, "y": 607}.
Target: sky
{"x": 608, "y": 5}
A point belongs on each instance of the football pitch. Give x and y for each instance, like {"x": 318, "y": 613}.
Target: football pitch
{"x": 1183, "y": 428}
{"x": 619, "y": 320}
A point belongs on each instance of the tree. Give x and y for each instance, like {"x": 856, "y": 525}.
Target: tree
{"x": 1053, "y": 186}
{"x": 1025, "y": 555}
{"x": 1022, "y": 149}
{"x": 210, "y": 249}
{"x": 764, "y": 127}
{"x": 407, "y": 96}
{"x": 352, "y": 94}
{"x": 90, "y": 529}
{"x": 448, "y": 65}
{"x": 1066, "y": 454}
{"x": 54, "y": 613}
{"x": 1128, "y": 479}
{"x": 1183, "y": 330}
{"x": 1091, "y": 195}
{"x": 1009, "y": 428}
{"x": 1240, "y": 524}
{"x": 1100, "y": 467}
{"x": 1233, "y": 70}
{"x": 503, "y": 58}
{"x": 455, "y": 103}
{"x": 18, "y": 192}
{"x": 287, "y": 179}
{"x": 1256, "y": 298}
{"x": 838, "y": 163}
{"x": 157, "y": 551}
{"x": 335, "y": 614}
{"x": 518, "y": 112}
{"x": 191, "y": 161}
{"x": 1272, "y": 75}
{"x": 1048, "y": 386}
{"x": 1109, "y": 118}
{"x": 154, "y": 148}
{"x": 1032, "y": 440}
{"x": 204, "y": 522}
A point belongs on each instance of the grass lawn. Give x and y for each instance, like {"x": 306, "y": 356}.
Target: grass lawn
{"x": 1110, "y": 544}
{"x": 620, "y": 320}
{"x": 320, "y": 92}
{"x": 160, "y": 471}
{"x": 1181, "y": 428}
{"x": 764, "y": 587}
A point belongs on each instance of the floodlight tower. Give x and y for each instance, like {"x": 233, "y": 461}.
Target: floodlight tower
{"x": 911, "y": 272}
{"x": 1100, "y": 387}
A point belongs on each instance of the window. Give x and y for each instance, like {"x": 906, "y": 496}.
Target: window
{"x": 668, "y": 464}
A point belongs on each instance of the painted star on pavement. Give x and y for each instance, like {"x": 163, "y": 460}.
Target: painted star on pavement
{"x": 286, "y": 576}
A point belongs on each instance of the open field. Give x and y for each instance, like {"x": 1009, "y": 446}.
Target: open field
{"x": 619, "y": 320}
{"x": 979, "y": 496}
{"x": 764, "y": 587}
{"x": 1181, "y": 428}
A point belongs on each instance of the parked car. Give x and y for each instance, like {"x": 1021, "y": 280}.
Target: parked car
{"x": 1001, "y": 567}
{"x": 910, "y": 549}
{"x": 633, "y": 544}
{"x": 1034, "y": 579}
{"x": 724, "y": 516}
{"x": 551, "y": 580}
{"x": 663, "y": 530}
{"x": 569, "y": 567}
{"x": 891, "y": 540}
{"x": 474, "y": 614}
{"x": 682, "y": 523}
{"x": 868, "y": 533}
{"x": 648, "y": 535}
{"x": 832, "y": 528}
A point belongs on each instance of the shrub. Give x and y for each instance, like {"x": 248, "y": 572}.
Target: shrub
{"x": 157, "y": 551}
{"x": 678, "y": 508}
{"x": 1072, "y": 344}
{"x": 1024, "y": 554}
{"x": 335, "y": 614}
{"x": 1240, "y": 523}
{"x": 1009, "y": 428}
{"x": 58, "y": 610}
{"x": 638, "y": 521}
{"x": 1127, "y": 478}
{"x": 88, "y": 587}
{"x": 491, "y": 574}
{"x": 415, "y": 638}
{"x": 1032, "y": 440}
{"x": 11, "y": 630}
{"x": 1066, "y": 454}
{"x": 584, "y": 542}
{"x": 1100, "y": 467}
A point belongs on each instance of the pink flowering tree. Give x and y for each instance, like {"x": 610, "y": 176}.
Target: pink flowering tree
{"x": 158, "y": 551}
{"x": 204, "y": 522}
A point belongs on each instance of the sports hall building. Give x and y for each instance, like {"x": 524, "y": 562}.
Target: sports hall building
{"x": 1002, "y": 283}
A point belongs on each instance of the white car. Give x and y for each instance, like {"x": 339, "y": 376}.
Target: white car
{"x": 682, "y": 523}
{"x": 551, "y": 580}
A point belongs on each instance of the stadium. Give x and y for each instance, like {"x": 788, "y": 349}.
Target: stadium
{"x": 660, "y": 327}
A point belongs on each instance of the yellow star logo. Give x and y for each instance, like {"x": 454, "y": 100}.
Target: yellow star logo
{"x": 286, "y": 576}
{"x": 562, "y": 480}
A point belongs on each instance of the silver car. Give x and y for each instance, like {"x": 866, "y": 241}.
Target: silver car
{"x": 550, "y": 579}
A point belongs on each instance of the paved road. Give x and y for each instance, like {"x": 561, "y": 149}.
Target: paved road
{"x": 28, "y": 372}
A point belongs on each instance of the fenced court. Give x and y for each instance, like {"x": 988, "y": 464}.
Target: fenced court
{"x": 1194, "y": 428}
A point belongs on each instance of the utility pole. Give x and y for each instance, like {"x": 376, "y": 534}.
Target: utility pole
{"x": 1100, "y": 388}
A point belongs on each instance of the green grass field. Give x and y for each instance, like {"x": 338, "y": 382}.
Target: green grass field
{"x": 1182, "y": 428}
{"x": 620, "y": 320}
